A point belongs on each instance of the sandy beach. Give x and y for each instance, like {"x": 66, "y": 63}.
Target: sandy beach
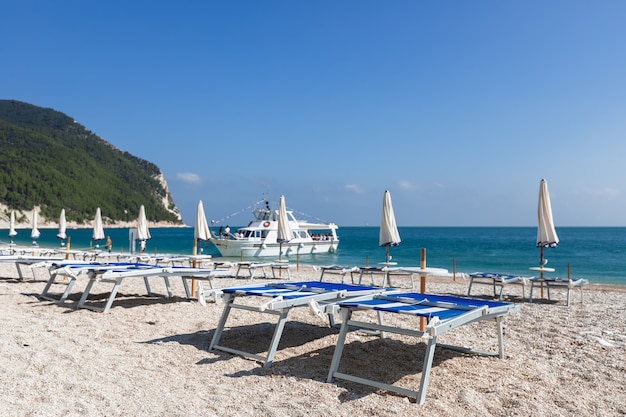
{"x": 149, "y": 357}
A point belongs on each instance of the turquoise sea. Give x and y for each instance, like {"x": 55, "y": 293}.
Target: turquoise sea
{"x": 595, "y": 253}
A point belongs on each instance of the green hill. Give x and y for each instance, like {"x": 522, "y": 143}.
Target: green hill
{"x": 49, "y": 160}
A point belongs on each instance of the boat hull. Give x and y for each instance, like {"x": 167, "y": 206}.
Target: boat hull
{"x": 250, "y": 249}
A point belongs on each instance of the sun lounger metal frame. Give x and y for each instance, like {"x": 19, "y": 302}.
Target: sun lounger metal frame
{"x": 70, "y": 271}
{"x": 115, "y": 273}
{"x": 321, "y": 296}
{"x": 339, "y": 270}
{"x": 556, "y": 282}
{"x": 117, "y": 276}
{"x": 497, "y": 281}
{"x": 252, "y": 267}
{"x": 444, "y": 313}
{"x": 30, "y": 261}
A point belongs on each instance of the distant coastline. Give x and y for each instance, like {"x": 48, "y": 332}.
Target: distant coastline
{"x": 74, "y": 226}
{"x": 44, "y": 223}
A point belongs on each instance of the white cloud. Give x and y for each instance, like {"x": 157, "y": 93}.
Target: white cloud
{"x": 189, "y": 177}
{"x": 406, "y": 185}
{"x": 354, "y": 188}
{"x": 602, "y": 192}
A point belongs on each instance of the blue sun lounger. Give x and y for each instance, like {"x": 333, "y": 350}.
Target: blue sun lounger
{"x": 115, "y": 272}
{"x": 443, "y": 313}
{"x": 564, "y": 283}
{"x": 278, "y": 299}
{"x": 339, "y": 270}
{"x": 25, "y": 260}
{"x": 497, "y": 281}
{"x": 71, "y": 270}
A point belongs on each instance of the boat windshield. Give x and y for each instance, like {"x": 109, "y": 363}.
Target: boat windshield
{"x": 247, "y": 233}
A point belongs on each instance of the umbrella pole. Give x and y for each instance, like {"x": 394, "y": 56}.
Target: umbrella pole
{"x": 541, "y": 268}
{"x": 280, "y": 258}
{"x": 454, "y": 270}
{"x": 194, "y": 252}
{"x": 423, "y": 284}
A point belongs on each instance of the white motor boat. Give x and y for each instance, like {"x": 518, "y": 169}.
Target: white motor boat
{"x": 259, "y": 237}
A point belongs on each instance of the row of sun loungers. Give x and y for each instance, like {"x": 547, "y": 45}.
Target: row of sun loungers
{"x": 67, "y": 273}
{"x": 499, "y": 281}
{"x": 352, "y": 301}
{"x": 443, "y": 313}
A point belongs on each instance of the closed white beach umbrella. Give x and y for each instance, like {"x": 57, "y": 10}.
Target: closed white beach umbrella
{"x": 12, "y": 232}
{"x": 389, "y": 235}
{"x": 98, "y": 231}
{"x": 546, "y": 234}
{"x": 143, "y": 233}
{"x": 201, "y": 230}
{"x": 62, "y": 226}
{"x": 34, "y": 234}
{"x": 284, "y": 228}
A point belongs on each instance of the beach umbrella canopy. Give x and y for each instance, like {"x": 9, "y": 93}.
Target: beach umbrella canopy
{"x": 12, "y": 232}
{"x": 98, "y": 231}
{"x": 201, "y": 229}
{"x": 546, "y": 234}
{"x": 34, "y": 234}
{"x": 143, "y": 233}
{"x": 389, "y": 235}
{"x": 284, "y": 228}
{"x": 62, "y": 225}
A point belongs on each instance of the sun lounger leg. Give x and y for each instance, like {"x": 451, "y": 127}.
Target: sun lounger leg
{"x": 381, "y": 321}
{"x": 109, "y": 303}
{"x": 469, "y": 289}
{"x": 186, "y": 287}
{"x": 334, "y": 365}
{"x": 147, "y": 283}
{"x": 168, "y": 287}
{"x": 83, "y": 298}
{"x": 44, "y": 293}
{"x": 66, "y": 293}
{"x": 34, "y": 272}
{"x": 276, "y": 338}
{"x": 500, "y": 337}
{"x": 19, "y": 271}
{"x": 426, "y": 367}
{"x": 568, "y": 297}
{"x": 228, "y": 302}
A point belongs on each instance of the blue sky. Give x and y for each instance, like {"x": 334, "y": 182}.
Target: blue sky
{"x": 459, "y": 108}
